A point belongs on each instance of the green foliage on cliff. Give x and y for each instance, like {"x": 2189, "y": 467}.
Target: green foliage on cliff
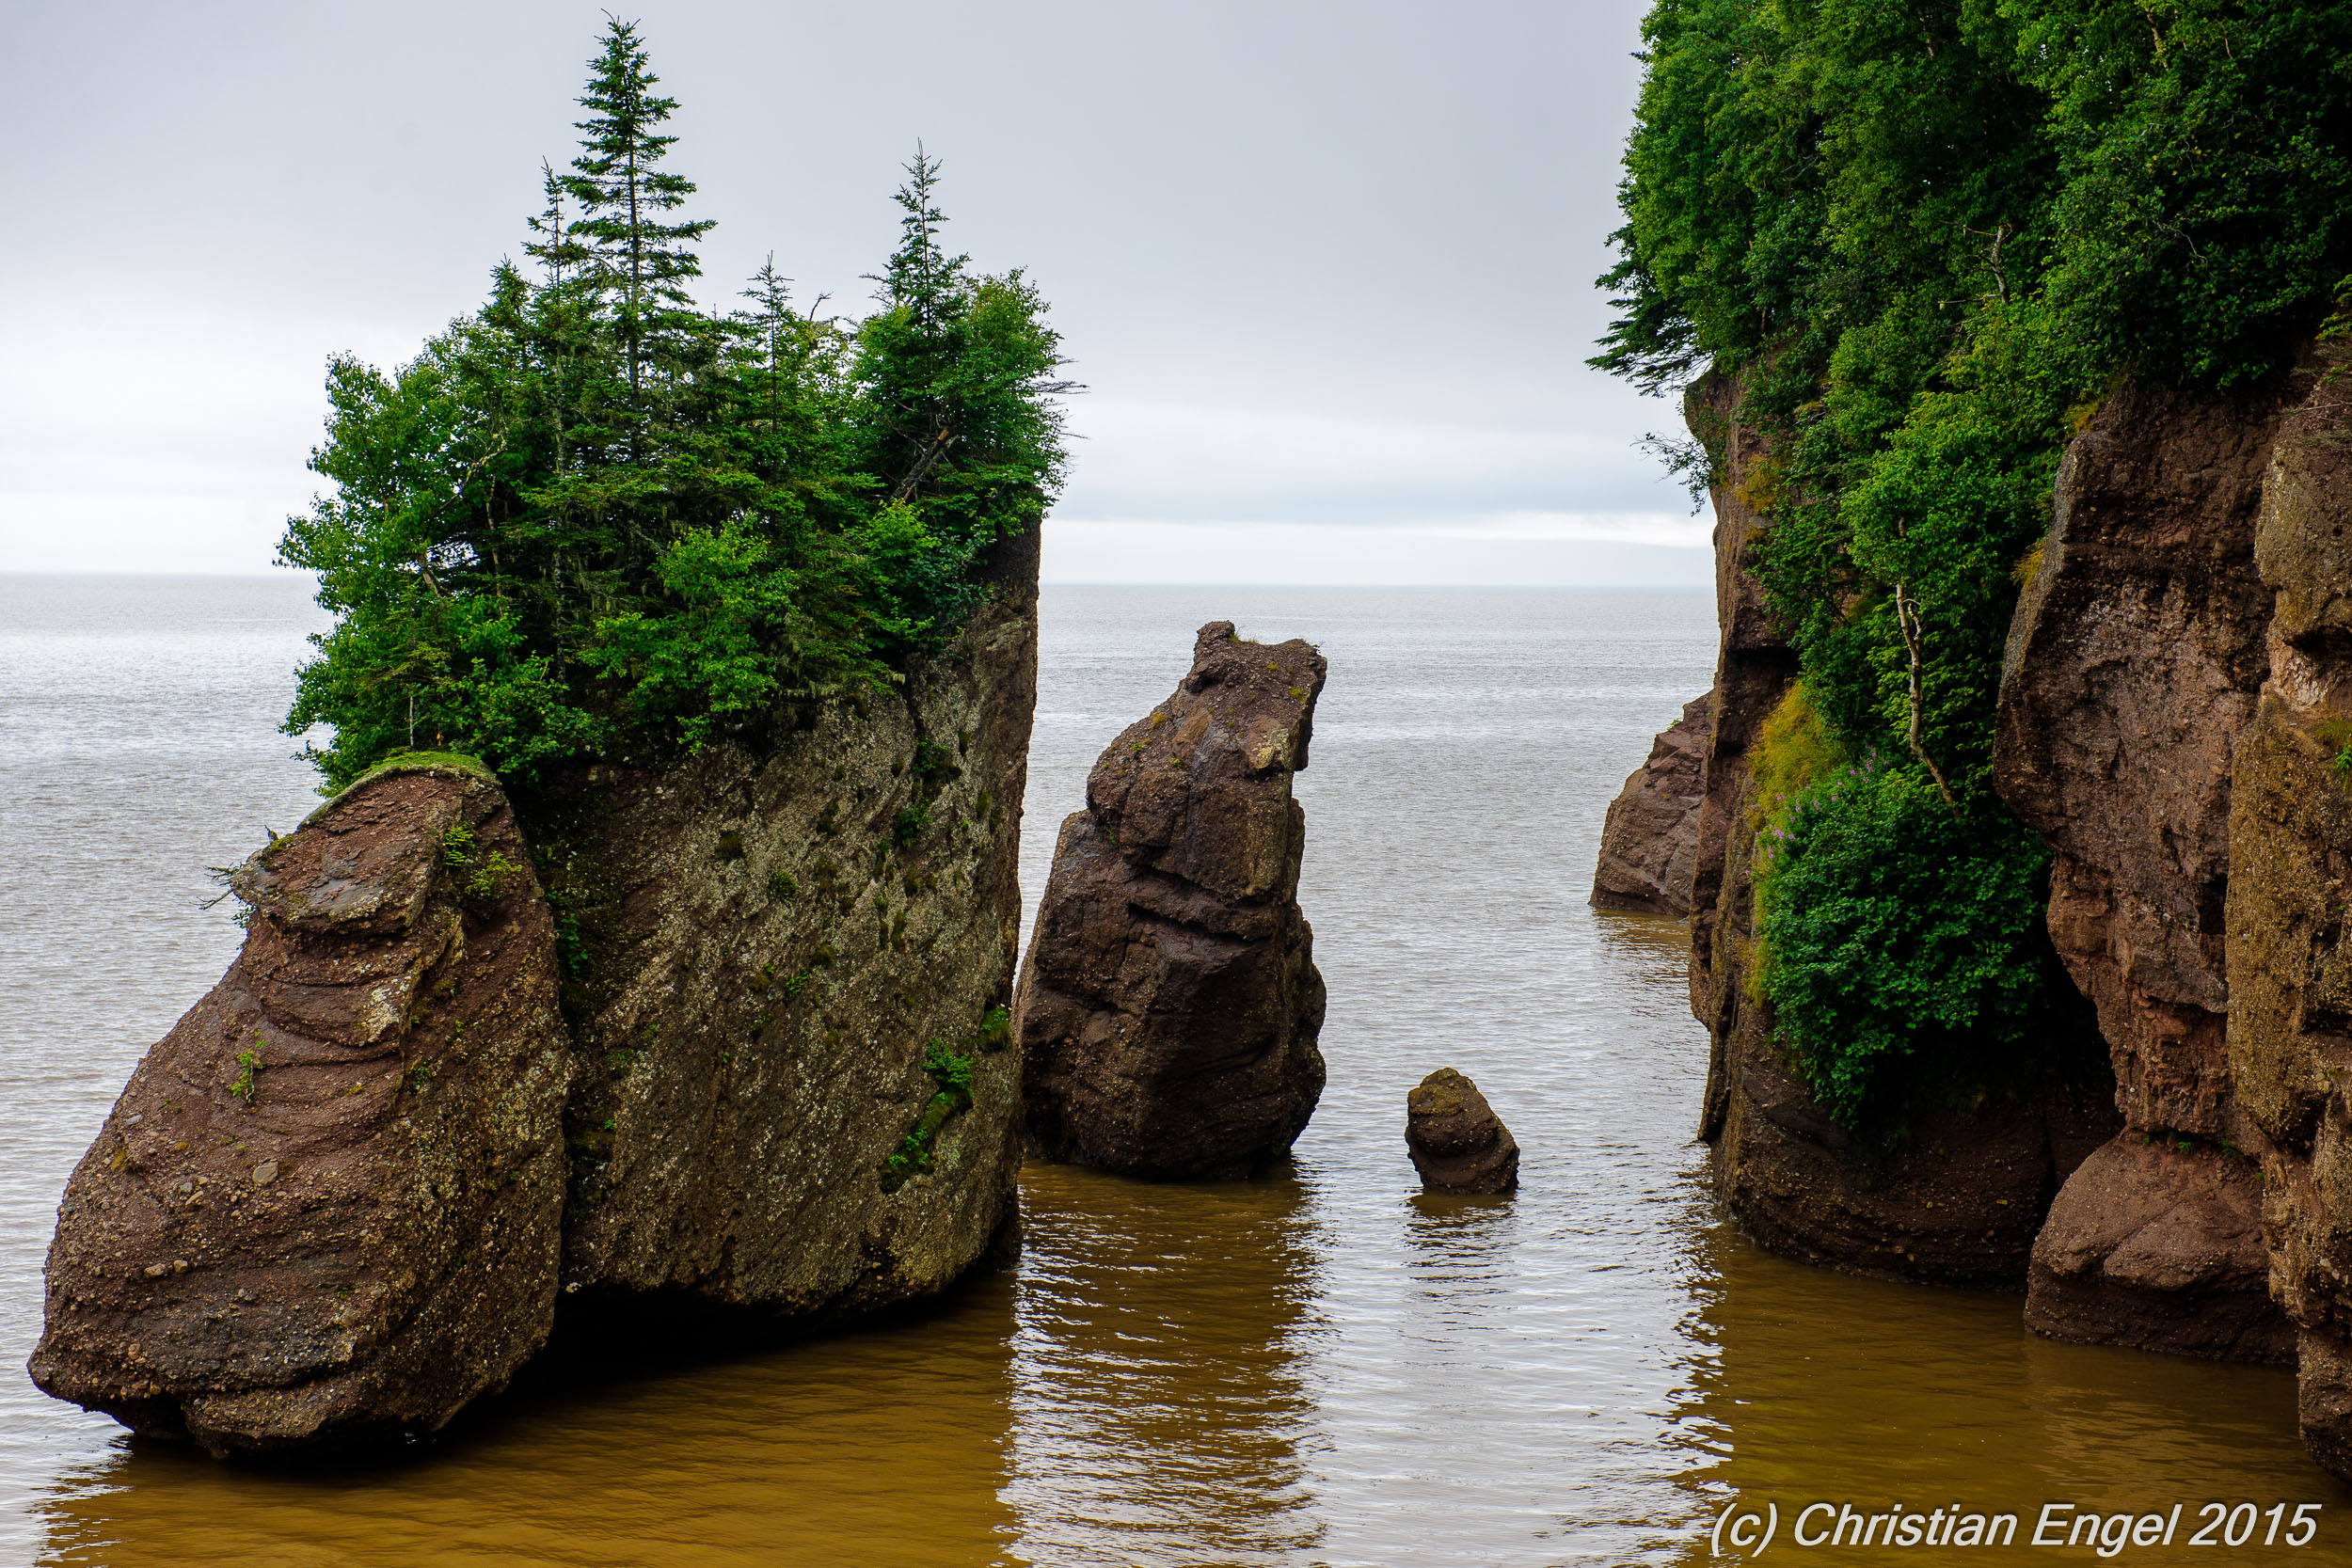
{"x": 952, "y": 1071}
{"x": 594, "y": 518}
{"x": 1891, "y": 933}
{"x": 1925, "y": 239}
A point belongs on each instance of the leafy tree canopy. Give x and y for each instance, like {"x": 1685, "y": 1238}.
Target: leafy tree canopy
{"x": 596, "y": 518}
{"x": 1926, "y": 235}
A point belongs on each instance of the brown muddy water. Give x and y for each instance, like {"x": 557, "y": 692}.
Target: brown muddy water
{"x": 1321, "y": 1368}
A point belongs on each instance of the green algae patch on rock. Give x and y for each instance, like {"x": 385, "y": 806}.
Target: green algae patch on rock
{"x": 455, "y": 765}
{"x": 1457, "y": 1143}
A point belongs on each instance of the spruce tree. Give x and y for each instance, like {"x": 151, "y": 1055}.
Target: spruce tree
{"x": 594, "y": 520}
{"x": 925, "y": 294}
{"x": 954, "y": 378}
{"x": 641, "y": 260}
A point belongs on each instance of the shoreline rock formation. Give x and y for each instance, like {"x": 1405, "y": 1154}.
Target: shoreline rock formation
{"x": 1963, "y": 1202}
{"x": 2290, "y": 965}
{"x": 1457, "y": 1143}
{"x": 326, "y": 1203}
{"x": 2134, "y": 661}
{"x": 2175, "y": 718}
{"x": 1649, "y": 844}
{"x": 730, "y": 1036}
{"x": 1168, "y": 1004}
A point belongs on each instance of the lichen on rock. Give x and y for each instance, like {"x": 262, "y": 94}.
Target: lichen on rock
{"x": 748, "y": 1061}
{"x": 2289, "y": 917}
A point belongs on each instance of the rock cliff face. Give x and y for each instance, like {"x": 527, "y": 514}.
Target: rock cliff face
{"x": 770, "y": 946}
{"x": 326, "y": 1203}
{"x": 1963, "y": 1203}
{"x": 2290, "y": 827}
{"x": 747, "y": 1052}
{"x": 1169, "y": 1004}
{"x": 1649, "y": 845}
{"x": 2176, "y": 720}
{"x": 2132, "y": 666}
{"x": 1753, "y": 667}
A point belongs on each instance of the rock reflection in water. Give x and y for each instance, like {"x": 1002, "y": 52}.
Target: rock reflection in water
{"x": 880, "y": 1447}
{"x": 1461, "y": 1247}
{"x": 1160, "y": 1414}
{"x": 1822, "y": 1387}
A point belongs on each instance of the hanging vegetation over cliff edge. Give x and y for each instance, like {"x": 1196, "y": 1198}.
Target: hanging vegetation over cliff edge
{"x": 595, "y": 518}
{"x": 1926, "y": 238}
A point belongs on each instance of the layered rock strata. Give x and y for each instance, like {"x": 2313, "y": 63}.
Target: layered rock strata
{"x": 1649, "y": 844}
{"x": 1168, "y": 1004}
{"x": 1457, "y": 1143}
{"x": 326, "y": 1203}
{"x": 2132, "y": 666}
{"x": 1963, "y": 1201}
{"x": 729, "y": 1036}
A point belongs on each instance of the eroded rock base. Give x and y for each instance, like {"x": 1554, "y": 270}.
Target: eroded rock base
{"x": 2159, "y": 1248}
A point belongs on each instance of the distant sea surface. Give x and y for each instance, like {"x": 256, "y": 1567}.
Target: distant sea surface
{"x": 1320, "y": 1368}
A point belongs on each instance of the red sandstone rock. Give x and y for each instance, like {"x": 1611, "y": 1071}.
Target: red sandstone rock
{"x": 1456, "y": 1141}
{"x": 2133, "y": 665}
{"x": 2134, "y": 661}
{"x": 1169, "y": 1003}
{"x": 326, "y": 1203}
{"x": 1649, "y": 844}
{"x": 2160, "y": 1248}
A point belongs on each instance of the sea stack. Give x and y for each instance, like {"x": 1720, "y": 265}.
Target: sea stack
{"x": 328, "y": 1203}
{"x": 721, "y": 1035}
{"x": 1457, "y": 1142}
{"x": 1169, "y": 1003}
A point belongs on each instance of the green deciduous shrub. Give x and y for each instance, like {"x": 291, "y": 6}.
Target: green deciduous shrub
{"x": 1901, "y": 945}
{"x": 952, "y": 1071}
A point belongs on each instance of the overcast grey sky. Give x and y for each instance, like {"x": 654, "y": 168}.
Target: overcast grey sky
{"x": 1326, "y": 268}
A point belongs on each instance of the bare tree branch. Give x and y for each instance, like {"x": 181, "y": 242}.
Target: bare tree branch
{"x": 1907, "y": 621}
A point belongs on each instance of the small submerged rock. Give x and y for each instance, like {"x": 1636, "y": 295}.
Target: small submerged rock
{"x": 1457, "y": 1142}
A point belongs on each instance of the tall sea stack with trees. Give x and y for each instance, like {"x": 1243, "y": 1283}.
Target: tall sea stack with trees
{"x": 2011, "y": 342}
{"x": 654, "y": 951}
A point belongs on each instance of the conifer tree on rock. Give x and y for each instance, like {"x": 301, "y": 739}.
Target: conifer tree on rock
{"x": 623, "y": 196}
